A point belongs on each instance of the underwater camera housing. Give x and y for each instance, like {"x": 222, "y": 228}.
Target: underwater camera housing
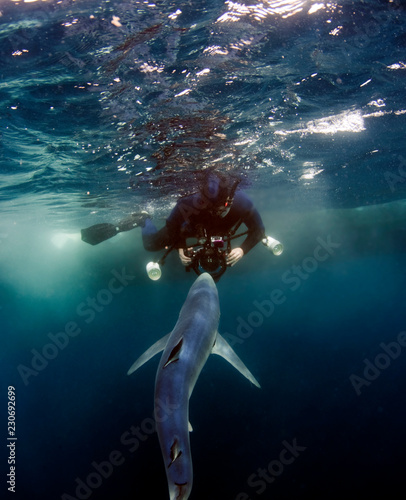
{"x": 210, "y": 258}
{"x": 208, "y": 253}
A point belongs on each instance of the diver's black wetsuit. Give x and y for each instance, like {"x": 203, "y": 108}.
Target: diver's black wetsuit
{"x": 191, "y": 214}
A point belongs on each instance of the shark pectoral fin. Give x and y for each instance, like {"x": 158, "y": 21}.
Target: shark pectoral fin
{"x": 223, "y": 348}
{"x": 149, "y": 353}
{"x": 190, "y": 428}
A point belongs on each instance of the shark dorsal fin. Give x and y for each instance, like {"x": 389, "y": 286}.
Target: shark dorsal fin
{"x": 149, "y": 353}
{"x": 223, "y": 348}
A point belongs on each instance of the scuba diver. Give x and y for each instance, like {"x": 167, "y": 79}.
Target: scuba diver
{"x": 200, "y": 227}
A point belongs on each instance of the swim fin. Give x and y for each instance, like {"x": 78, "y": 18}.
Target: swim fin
{"x": 98, "y": 233}
{"x": 101, "y": 232}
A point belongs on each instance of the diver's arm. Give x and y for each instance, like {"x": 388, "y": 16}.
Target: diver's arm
{"x": 179, "y": 218}
{"x": 256, "y": 230}
{"x": 174, "y": 223}
{"x": 174, "y": 226}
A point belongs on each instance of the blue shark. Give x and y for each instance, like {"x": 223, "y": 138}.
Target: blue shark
{"x": 185, "y": 351}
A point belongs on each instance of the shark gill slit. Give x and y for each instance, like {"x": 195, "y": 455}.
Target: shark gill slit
{"x": 174, "y": 355}
{"x": 175, "y": 452}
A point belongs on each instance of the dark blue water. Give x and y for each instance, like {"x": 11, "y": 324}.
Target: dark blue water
{"x": 112, "y": 107}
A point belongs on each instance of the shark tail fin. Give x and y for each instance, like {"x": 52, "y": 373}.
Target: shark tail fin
{"x": 149, "y": 353}
{"x": 223, "y": 348}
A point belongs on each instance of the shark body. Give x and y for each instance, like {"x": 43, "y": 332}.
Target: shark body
{"x": 185, "y": 351}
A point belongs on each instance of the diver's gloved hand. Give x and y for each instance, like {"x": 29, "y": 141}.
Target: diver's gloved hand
{"x": 133, "y": 221}
{"x": 234, "y": 256}
{"x": 184, "y": 258}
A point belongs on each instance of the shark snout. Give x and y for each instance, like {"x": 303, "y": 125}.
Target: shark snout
{"x": 206, "y": 278}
